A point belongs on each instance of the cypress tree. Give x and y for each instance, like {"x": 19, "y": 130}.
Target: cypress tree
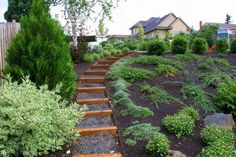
{"x": 41, "y": 51}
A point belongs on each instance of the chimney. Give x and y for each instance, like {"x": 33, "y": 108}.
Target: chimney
{"x": 200, "y": 25}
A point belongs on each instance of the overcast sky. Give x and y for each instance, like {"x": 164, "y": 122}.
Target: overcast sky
{"x": 131, "y": 11}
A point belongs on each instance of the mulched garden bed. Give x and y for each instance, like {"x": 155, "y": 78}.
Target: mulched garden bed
{"x": 190, "y": 145}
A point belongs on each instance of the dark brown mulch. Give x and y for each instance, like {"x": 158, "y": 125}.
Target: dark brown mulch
{"x": 190, "y": 145}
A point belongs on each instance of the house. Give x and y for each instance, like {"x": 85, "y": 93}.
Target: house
{"x": 227, "y": 31}
{"x": 156, "y": 26}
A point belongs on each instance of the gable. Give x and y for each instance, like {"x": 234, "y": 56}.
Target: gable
{"x": 168, "y": 20}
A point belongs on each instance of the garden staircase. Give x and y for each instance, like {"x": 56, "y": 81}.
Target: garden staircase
{"x": 92, "y": 92}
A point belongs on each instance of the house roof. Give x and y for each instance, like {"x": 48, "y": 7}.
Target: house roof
{"x": 154, "y": 23}
{"x": 221, "y": 25}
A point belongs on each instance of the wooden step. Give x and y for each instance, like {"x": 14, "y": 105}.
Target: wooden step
{"x": 106, "y": 62}
{"x": 95, "y": 131}
{"x": 96, "y": 66}
{"x": 101, "y": 113}
{"x": 92, "y": 101}
{"x": 92, "y": 90}
{"x": 99, "y": 155}
{"x": 99, "y": 73}
{"x": 92, "y": 80}
{"x": 113, "y": 58}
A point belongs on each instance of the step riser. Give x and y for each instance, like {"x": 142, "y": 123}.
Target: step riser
{"x": 103, "y": 113}
{"x": 100, "y": 67}
{"x": 92, "y": 101}
{"x": 106, "y": 62}
{"x": 98, "y": 73}
{"x": 92, "y": 90}
{"x": 92, "y": 80}
{"x": 96, "y": 131}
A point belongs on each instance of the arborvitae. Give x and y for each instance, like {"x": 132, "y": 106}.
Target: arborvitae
{"x": 41, "y": 51}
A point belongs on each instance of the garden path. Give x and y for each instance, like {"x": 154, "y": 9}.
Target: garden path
{"x": 98, "y": 132}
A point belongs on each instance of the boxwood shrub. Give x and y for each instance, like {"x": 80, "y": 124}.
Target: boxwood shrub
{"x": 179, "y": 45}
{"x": 156, "y": 47}
{"x": 34, "y": 121}
{"x": 225, "y": 97}
{"x": 199, "y": 46}
{"x": 158, "y": 145}
{"x": 233, "y": 46}
{"x": 222, "y": 46}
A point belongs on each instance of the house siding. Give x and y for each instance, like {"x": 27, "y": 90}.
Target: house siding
{"x": 160, "y": 33}
{"x": 178, "y": 27}
{"x": 168, "y": 20}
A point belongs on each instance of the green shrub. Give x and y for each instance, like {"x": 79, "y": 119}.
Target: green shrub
{"x": 107, "y": 46}
{"x": 225, "y": 97}
{"x": 215, "y": 76}
{"x": 156, "y": 47}
{"x": 213, "y": 134}
{"x": 34, "y": 121}
{"x": 189, "y": 57}
{"x": 139, "y": 132}
{"x": 158, "y": 145}
{"x": 199, "y": 46}
{"x": 204, "y": 67}
{"x": 195, "y": 93}
{"x": 179, "y": 124}
{"x": 120, "y": 85}
{"x": 165, "y": 69}
{"x": 89, "y": 58}
{"x": 179, "y": 45}
{"x": 125, "y": 49}
{"x": 217, "y": 62}
{"x": 218, "y": 150}
{"x": 98, "y": 49}
{"x": 41, "y": 51}
{"x": 222, "y": 46}
{"x": 107, "y": 53}
{"x": 117, "y": 44}
{"x": 191, "y": 112}
{"x": 131, "y": 43}
{"x": 233, "y": 46}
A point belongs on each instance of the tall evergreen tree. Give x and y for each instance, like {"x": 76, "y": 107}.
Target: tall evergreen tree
{"x": 228, "y": 19}
{"x": 41, "y": 51}
{"x": 140, "y": 32}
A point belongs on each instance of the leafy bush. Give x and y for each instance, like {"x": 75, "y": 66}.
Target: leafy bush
{"x": 179, "y": 45}
{"x": 217, "y": 62}
{"x": 125, "y": 49}
{"x": 107, "y": 46}
{"x": 107, "y": 53}
{"x": 191, "y": 112}
{"x": 98, "y": 49}
{"x": 225, "y": 97}
{"x": 131, "y": 43}
{"x": 222, "y": 46}
{"x": 40, "y": 50}
{"x": 165, "y": 69}
{"x": 156, "y": 47}
{"x": 113, "y": 51}
{"x": 233, "y": 46}
{"x": 156, "y": 94}
{"x": 139, "y": 132}
{"x": 188, "y": 57}
{"x": 118, "y": 44}
{"x": 158, "y": 145}
{"x": 213, "y": 134}
{"x": 195, "y": 93}
{"x": 34, "y": 120}
{"x": 179, "y": 124}
{"x": 199, "y": 46}
{"x": 89, "y": 57}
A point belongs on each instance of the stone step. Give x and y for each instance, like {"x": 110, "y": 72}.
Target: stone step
{"x": 93, "y": 101}
{"x": 95, "y": 131}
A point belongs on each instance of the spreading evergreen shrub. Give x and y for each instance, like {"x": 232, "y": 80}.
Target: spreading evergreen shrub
{"x": 199, "y": 46}
{"x": 156, "y": 47}
{"x": 226, "y": 96}
{"x": 222, "y": 46}
{"x": 34, "y": 120}
{"x": 125, "y": 49}
{"x": 233, "y": 46}
{"x": 179, "y": 45}
{"x": 41, "y": 51}
{"x": 159, "y": 145}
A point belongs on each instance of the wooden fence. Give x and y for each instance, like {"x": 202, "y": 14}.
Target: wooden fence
{"x": 7, "y": 32}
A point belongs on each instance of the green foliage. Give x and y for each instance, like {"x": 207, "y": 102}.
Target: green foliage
{"x": 220, "y": 142}
{"x": 120, "y": 84}
{"x": 213, "y": 134}
{"x": 209, "y": 32}
{"x": 131, "y": 43}
{"x": 190, "y": 111}
{"x": 156, "y": 94}
{"x": 225, "y": 97}
{"x": 34, "y": 121}
{"x": 40, "y": 51}
{"x": 139, "y": 132}
{"x": 215, "y": 76}
{"x": 98, "y": 49}
{"x": 217, "y": 62}
{"x": 156, "y": 47}
{"x": 165, "y": 69}
{"x": 195, "y": 93}
{"x": 199, "y": 46}
{"x": 91, "y": 57}
{"x": 159, "y": 145}
{"x": 140, "y": 32}
{"x": 188, "y": 57}
{"x": 131, "y": 74}
{"x": 179, "y": 124}
{"x": 204, "y": 67}
{"x": 125, "y": 49}
{"x": 222, "y": 46}
{"x": 233, "y": 46}
{"x": 179, "y": 45}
